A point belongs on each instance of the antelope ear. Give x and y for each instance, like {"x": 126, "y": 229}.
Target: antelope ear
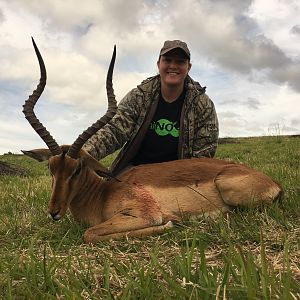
{"x": 38, "y": 154}
{"x": 98, "y": 168}
{"x": 107, "y": 174}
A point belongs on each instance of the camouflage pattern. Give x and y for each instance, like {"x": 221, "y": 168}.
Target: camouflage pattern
{"x": 198, "y": 130}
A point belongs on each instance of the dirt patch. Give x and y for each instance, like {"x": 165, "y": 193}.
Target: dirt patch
{"x": 10, "y": 169}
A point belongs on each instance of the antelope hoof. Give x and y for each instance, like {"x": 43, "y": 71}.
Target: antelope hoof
{"x": 90, "y": 238}
{"x": 55, "y": 216}
{"x": 169, "y": 225}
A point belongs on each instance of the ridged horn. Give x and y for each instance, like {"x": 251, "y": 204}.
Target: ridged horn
{"x": 30, "y": 103}
{"x": 111, "y": 111}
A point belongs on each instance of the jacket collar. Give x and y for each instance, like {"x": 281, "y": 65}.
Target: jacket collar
{"x": 150, "y": 85}
{"x": 194, "y": 86}
{"x": 194, "y": 89}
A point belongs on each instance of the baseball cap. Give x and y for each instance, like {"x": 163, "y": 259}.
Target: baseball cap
{"x": 170, "y": 45}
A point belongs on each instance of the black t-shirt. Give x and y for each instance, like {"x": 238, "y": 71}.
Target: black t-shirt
{"x": 161, "y": 140}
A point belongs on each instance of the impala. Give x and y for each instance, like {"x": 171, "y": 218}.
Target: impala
{"x": 145, "y": 199}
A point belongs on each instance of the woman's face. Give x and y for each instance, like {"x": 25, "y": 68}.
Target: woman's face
{"x": 173, "y": 68}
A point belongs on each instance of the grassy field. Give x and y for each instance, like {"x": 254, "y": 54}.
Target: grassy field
{"x": 251, "y": 254}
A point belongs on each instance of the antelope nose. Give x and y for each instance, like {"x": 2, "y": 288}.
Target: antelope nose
{"x": 55, "y": 215}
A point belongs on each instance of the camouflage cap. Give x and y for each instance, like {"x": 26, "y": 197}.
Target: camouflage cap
{"x": 170, "y": 45}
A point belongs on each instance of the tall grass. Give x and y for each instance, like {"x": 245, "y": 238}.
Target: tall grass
{"x": 251, "y": 254}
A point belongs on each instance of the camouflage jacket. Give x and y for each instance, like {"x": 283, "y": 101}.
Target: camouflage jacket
{"x": 198, "y": 133}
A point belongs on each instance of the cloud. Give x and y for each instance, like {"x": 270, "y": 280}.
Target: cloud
{"x": 60, "y": 15}
{"x": 229, "y": 102}
{"x": 112, "y": 16}
{"x": 275, "y": 18}
{"x": 295, "y": 122}
{"x": 228, "y": 115}
{"x": 2, "y": 18}
{"x": 237, "y": 125}
{"x": 243, "y": 49}
{"x": 231, "y": 124}
{"x": 252, "y": 103}
{"x": 295, "y": 29}
{"x": 249, "y": 102}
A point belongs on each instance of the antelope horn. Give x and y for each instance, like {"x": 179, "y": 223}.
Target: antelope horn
{"x": 111, "y": 111}
{"x": 30, "y": 103}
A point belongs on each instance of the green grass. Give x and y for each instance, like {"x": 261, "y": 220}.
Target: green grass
{"x": 251, "y": 254}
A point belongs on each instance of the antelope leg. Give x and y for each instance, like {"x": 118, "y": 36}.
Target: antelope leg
{"x": 242, "y": 186}
{"x": 120, "y": 226}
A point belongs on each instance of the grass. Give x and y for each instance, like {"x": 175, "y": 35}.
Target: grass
{"x": 251, "y": 254}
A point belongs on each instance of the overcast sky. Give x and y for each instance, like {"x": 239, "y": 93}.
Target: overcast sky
{"x": 245, "y": 52}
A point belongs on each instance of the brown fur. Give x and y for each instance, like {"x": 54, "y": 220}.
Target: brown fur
{"x": 144, "y": 199}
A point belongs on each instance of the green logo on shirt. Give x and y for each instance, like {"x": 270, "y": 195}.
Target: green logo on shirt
{"x": 164, "y": 127}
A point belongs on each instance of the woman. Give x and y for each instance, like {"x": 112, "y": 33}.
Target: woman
{"x": 167, "y": 117}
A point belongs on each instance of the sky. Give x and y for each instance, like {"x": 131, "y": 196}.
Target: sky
{"x": 247, "y": 54}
